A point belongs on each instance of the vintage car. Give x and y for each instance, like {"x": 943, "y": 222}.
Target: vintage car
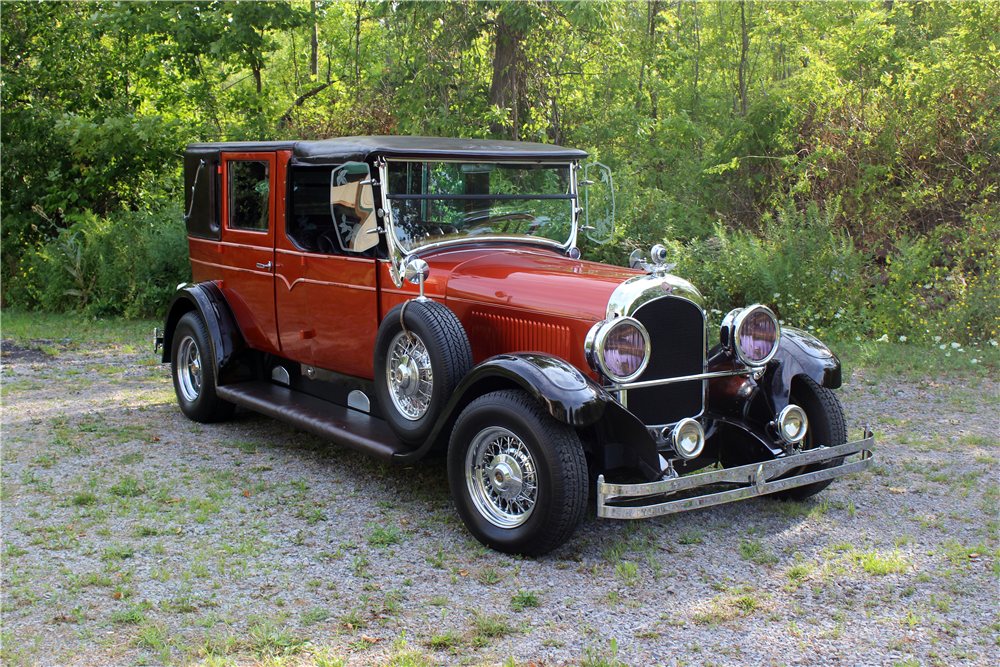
{"x": 399, "y": 295}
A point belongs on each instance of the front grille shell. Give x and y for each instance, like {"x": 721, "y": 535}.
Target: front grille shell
{"x": 676, "y": 328}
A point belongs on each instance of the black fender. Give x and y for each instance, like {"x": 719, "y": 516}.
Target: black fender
{"x": 566, "y": 394}
{"x": 800, "y": 353}
{"x": 211, "y": 304}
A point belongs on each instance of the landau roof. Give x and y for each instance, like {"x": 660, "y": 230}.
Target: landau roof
{"x": 344, "y": 149}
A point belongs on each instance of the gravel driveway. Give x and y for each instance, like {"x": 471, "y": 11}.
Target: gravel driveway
{"x": 134, "y": 536}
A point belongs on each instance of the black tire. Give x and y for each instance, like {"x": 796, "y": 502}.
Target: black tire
{"x": 827, "y": 428}
{"x": 535, "y": 520}
{"x": 192, "y": 365}
{"x": 441, "y": 357}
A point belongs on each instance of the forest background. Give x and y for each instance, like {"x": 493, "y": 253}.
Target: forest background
{"x": 837, "y": 161}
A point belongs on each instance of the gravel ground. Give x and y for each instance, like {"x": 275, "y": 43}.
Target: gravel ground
{"x": 134, "y": 536}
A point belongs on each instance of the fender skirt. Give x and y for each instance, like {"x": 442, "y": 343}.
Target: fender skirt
{"x": 211, "y": 304}
{"x": 565, "y": 393}
{"x": 800, "y": 353}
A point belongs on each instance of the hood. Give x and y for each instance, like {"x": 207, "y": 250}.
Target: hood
{"x": 533, "y": 280}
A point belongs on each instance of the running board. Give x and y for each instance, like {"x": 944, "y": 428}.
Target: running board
{"x": 344, "y": 426}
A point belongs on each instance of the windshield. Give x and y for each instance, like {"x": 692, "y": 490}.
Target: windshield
{"x": 443, "y": 201}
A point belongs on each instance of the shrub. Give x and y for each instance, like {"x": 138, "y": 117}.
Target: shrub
{"x": 125, "y": 264}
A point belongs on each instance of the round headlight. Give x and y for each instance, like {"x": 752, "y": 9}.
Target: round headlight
{"x": 792, "y": 424}
{"x": 688, "y": 438}
{"x": 755, "y": 335}
{"x": 618, "y": 348}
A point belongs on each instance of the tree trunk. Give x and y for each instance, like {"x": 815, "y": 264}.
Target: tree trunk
{"x": 744, "y": 65}
{"x": 507, "y": 87}
{"x": 314, "y": 54}
{"x": 357, "y": 45}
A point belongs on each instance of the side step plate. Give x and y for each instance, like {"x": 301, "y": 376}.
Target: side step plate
{"x": 344, "y": 426}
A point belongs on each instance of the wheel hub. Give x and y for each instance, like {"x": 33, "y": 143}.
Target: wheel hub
{"x": 505, "y": 475}
{"x": 406, "y": 374}
{"x": 188, "y": 369}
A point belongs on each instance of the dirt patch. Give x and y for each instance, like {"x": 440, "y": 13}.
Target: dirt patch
{"x": 9, "y": 352}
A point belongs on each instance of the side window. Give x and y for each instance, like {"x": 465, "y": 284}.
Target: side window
{"x": 309, "y": 224}
{"x": 330, "y": 212}
{"x": 249, "y": 192}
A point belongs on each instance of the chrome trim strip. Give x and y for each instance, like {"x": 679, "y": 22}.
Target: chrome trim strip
{"x": 267, "y": 274}
{"x": 682, "y": 378}
{"x": 755, "y": 475}
{"x": 230, "y": 244}
{"x": 320, "y": 255}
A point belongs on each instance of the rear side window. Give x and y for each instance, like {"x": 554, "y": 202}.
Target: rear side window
{"x": 249, "y": 192}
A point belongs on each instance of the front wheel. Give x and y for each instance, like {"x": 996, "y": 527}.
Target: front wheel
{"x": 518, "y": 476}
{"x": 827, "y": 428}
{"x": 193, "y": 368}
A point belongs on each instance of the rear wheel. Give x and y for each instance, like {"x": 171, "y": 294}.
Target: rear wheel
{"x": 193, "y": 368}
{"x": 827, "y": 428}
{"x": 518, "y": 476}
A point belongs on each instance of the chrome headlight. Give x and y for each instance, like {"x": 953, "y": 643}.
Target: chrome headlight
{"x": 752, "y": 334}
{"x": 618, "y": 348}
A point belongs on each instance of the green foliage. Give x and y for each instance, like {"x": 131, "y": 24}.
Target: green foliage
{"x": 841, "y": 154}
{"x": 127, "y": 264}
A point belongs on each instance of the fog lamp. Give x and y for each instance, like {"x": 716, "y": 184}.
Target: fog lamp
{"x": 688, "y": 438}
{"x": 792, "y": 424}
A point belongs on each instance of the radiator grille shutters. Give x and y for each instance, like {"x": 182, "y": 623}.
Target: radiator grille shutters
{"x": 677, "y": 347}
{"x": 494, "y": 334}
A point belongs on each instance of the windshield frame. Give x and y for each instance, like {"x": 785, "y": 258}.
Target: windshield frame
{"x": 399, "y": 252}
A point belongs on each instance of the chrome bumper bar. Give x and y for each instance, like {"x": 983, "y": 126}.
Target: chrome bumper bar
{"x": 619, "y": 501}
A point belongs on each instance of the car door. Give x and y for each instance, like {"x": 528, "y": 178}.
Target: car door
{"x": 246, "y": 248}
{"x": 326, "y": 292}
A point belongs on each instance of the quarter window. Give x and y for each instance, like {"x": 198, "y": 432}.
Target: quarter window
{"x": 249, "y": 193}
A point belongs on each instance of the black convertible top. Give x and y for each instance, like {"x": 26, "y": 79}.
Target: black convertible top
{"x": 344, "y": 149}
{"x": 202, "y": 160}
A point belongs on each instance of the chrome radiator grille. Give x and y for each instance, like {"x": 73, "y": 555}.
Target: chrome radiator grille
{"x": 677, "y": 347}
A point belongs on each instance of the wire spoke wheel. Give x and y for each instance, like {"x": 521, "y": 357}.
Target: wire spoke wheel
{"x": 189, "y": 375}
{"x": 501, "y": 477}
{"x": 517, "y": 474}
{"x": 409, "y": 375}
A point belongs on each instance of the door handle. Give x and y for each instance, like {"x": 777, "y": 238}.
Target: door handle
{"x": 266, "y": 267}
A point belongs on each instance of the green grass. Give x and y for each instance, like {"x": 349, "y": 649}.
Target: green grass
{"x": 490, "y": 626}
{"x": 880, "y": 564}
{"x": 916, "y": 361}
{"x": 384, "y": 536}
{"x": 315, "y": 615}
{"x": 753, "y": 550}
{"x": 73, "y": 330}
{"x": 266, "y": 639}
{"x": 523, "y": 599}
{"x": 449, "y": 639}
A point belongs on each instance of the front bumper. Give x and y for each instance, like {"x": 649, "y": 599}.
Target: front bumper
{"x": 637, "y": 501}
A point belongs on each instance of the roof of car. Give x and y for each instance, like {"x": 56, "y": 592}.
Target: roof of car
{"x": 360, "y": 148}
